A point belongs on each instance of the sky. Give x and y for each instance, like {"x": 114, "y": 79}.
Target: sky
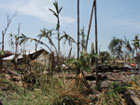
{"x": 117, "y": 18}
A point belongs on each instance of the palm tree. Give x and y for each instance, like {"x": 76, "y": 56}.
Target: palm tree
{"x": 136, "y": 43}
{"x": 90, "y": 22}
{"x": 23, "y": 39}
{"x": 48, "y": 34}
{"x": 56, "y": 13}
{"x": 70, "y": 40}
{"x": 78, "y": 33}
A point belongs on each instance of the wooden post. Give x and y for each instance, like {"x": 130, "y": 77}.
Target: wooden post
{"x": 96, "y": 47}
{"x": 78, "y": 33}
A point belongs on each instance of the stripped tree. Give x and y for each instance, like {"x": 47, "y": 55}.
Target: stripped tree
{"x": 9, "y": 20}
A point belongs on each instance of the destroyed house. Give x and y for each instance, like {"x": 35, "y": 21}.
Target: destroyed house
{"x": 40, "y": 56}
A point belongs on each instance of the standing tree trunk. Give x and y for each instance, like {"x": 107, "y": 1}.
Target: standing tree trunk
{"x": 58, "y": 34}
{"x": 58, "y": 53}
{"x": 3, "y": 40}
{"x": 69, "y": 55}
{"x": 52, "y": 63}
{"x": 2, "y": 46}
{"x": 9, "y": 20}
{"x": 16, "y": 47}
{"x": 90, "y": 23}
{"x": 78, "y": 33}
{"x": 136, "y": 52}
{"x": 96, "y": 47}
{"x": 133, "y": 53}
{"x": 35, "y": 46}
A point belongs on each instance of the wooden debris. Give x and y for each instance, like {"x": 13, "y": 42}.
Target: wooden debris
{"x": 133, "y": 96}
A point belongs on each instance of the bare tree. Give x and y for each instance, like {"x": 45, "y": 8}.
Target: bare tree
{"x": 9, "y": 20}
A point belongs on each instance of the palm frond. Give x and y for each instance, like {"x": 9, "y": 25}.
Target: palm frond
{"x": 54, "y": 13}
{"x": 60, "y": 10}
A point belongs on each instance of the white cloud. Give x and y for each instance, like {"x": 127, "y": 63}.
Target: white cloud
{"x": 38, "y": 9}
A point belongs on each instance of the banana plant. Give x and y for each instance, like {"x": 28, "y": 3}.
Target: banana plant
{"x": 83, "y": 62}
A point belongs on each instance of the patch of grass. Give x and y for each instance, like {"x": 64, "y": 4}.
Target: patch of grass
{"x": 51, "y": 91}
{"x": 8, "y": 85}
{"x": 35, "y": 97}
